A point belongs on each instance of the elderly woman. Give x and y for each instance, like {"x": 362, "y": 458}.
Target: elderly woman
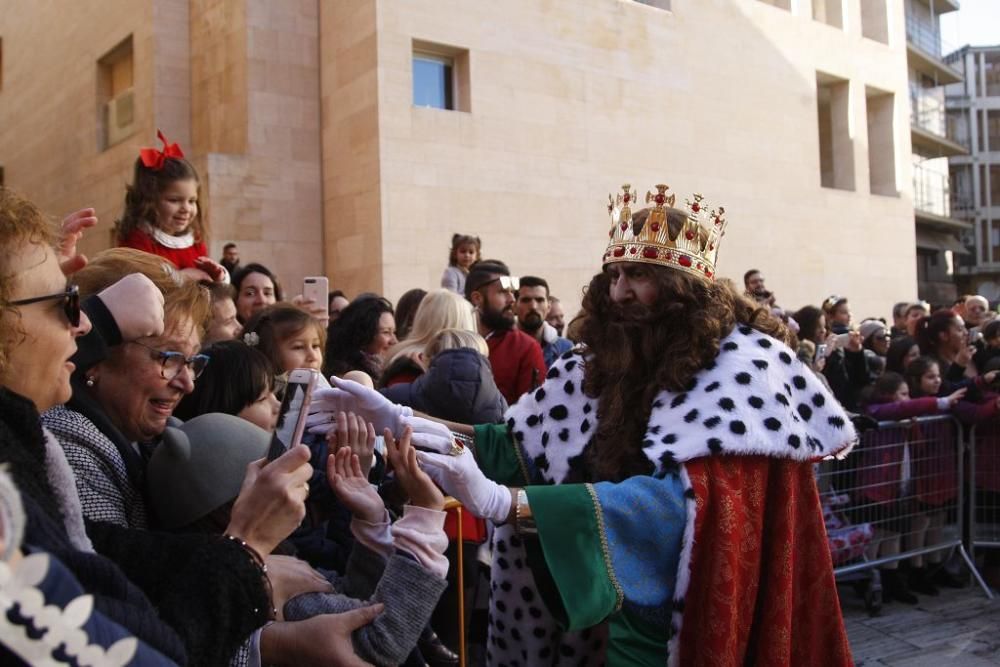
{"x": 41, "y": 321}
{"x": 214, "y": 593}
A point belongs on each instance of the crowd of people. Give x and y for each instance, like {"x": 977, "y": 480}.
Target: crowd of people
{"x": 615, "y": 465}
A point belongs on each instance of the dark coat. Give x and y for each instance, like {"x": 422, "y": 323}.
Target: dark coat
{"x": 22, "y": 449}
{"x": 458, "y": 386}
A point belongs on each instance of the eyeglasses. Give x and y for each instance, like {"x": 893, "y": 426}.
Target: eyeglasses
{"x": 172, "y": 362}
{"x": 71, "y": 302}
{"x": 507, "y": 283}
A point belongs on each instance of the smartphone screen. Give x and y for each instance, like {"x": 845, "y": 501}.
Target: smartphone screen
{"x": 292, "y": 415}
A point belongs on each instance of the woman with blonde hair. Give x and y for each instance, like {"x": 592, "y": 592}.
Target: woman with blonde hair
{"x": 440, "y": 309}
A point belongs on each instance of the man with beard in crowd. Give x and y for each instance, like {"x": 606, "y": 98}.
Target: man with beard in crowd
{"x": 515, "y": 356}
{"x": 556, "y": 316}
{"x": 657, "y": 491}
{"x": 532, "y": 313}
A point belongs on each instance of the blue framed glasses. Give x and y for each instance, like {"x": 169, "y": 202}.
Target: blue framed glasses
{"x": 172, "y": 362}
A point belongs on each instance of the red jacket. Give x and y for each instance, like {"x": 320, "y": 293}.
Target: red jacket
{"x": 518, "y": 366}
{"x": 182, "y": 258}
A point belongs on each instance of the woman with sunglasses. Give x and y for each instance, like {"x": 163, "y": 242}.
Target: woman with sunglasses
{"x": 40, "y": 322}
{"x": 214, "y": 593}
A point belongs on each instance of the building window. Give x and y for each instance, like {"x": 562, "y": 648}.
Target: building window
{"x": 992, "y": 130}
{"x": 830, "y": 12}
{"x": 881, "y": 143}
{"x": 875, "y": 20}
{"x": 115, "y": 96}
{"x": 433, "y": 81}
{"x": 836, "y": 147}
{"x": 991, "y": 73}
{"x": 440, "y": 77}
{"x": 994, "y": 178}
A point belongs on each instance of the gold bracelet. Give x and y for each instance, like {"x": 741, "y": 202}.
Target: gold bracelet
{"x": 524, "y": 520}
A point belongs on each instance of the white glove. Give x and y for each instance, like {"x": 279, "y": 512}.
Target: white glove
{"x": 348, "y": 396}
{"x": 428, "y": 434}
{"x": 461, "y": 478}
{"x": 137, "y": 306}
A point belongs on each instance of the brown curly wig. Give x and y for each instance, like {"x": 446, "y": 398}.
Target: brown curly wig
{"x": 634, "y": 352}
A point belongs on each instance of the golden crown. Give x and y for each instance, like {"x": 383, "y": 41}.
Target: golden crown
{"x": 685, "y": 238}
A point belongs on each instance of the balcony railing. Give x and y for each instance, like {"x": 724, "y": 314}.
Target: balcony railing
{"x": 926, "y": 37}
{"x": 928, "y": 113}
{"x": 931, "y": 191}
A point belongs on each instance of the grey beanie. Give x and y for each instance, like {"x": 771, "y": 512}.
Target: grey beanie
{"x": 200, "y": 465}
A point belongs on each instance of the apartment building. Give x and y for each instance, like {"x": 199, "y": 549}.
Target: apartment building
{"x": 938, "y": 231}
{"x": 974, "y": 116}
{"x": 352, "y": 138}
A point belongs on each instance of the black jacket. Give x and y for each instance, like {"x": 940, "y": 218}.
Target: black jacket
{"x": 458, "y": 386}
{"x": 22, "y": 448}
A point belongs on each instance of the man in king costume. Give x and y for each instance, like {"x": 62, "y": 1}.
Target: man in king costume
{"x": 655, "y": 497}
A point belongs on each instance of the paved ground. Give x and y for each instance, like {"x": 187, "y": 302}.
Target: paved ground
{"x": 960, "y": 627}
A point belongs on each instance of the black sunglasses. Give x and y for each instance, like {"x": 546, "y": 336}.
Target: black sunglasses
{"x": 71, "y": 303}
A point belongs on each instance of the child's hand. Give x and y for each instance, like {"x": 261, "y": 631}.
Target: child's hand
{"x": 403, "y": 458}
{"x": 352, "y": 488}
{"x": 956, "y": 397}
{"x": 214, "y": 270}
{"x": 355, "y": 434}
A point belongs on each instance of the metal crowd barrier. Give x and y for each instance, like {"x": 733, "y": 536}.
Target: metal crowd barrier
{"x": 899, "y": 495}
{"x": 984, "y": 493}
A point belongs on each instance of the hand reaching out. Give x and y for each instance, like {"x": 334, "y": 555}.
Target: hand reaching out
{"x": 955, "y": 397}
{"x": 357, "y": 435}
{"x": 214, "y": 270}
{"x": 73, "y": 226}
{"x": 418, "y": 486}
{"x": 352, "y": 487}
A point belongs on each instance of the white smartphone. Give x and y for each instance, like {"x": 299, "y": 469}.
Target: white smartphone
{"x": 316, "y": 288}
{"x": 294, "y": 409}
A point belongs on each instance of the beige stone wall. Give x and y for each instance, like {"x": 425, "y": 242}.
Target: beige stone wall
{"x": 352, "y": 208}
{"x": 50, "y": 143}
{"x": 718, "y": 97}
{"x": 256, "y": 111}
{"x": 314, "y": 159}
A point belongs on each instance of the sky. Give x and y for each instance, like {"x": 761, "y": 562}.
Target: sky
{"x": 977, "y": 22}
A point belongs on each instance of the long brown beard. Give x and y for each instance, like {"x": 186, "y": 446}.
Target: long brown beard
{"x": 635, "y": 351}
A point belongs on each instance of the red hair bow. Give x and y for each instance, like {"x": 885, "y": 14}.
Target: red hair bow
{"x": 154, "y": 159}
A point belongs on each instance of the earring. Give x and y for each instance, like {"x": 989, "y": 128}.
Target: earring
{"x": 91, "y": 381}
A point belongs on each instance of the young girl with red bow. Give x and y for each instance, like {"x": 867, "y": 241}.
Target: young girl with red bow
{"x": 161, "y": 212}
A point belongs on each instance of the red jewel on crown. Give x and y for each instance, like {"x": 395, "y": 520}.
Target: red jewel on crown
{"x": 655, "y": 227}
{"x": 696, "y": 207}
{"x": 659, "y": 199}
{"x": 689, "y": 235}
{"x": 631, "y": 250}
{"x": 624, "y": 226}
{"x": 684, "y": 260}
{"x": 619, "y": 251}
{"x": 649, "y": 252}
